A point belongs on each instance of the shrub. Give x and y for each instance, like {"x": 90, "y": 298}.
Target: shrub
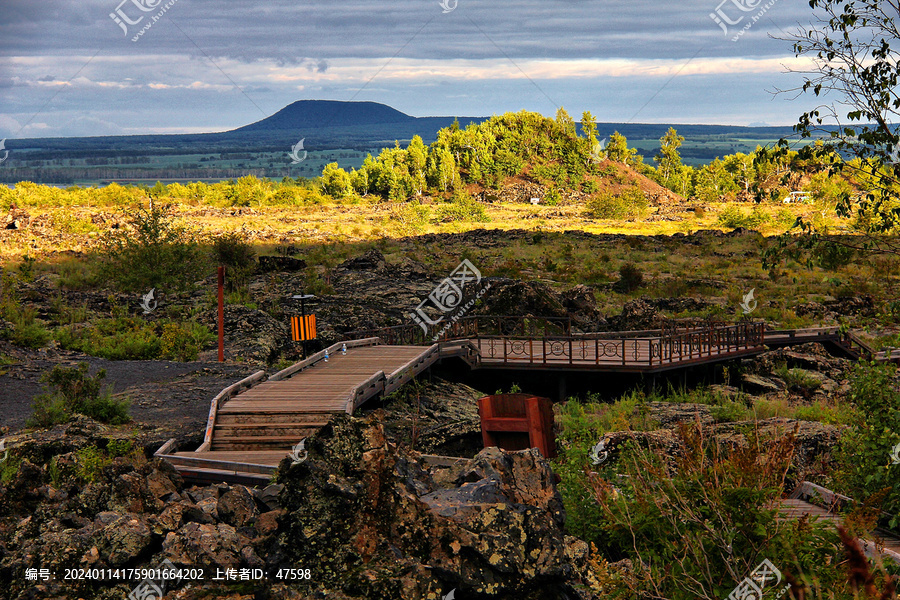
{"x": 461, "y": 208}
{"x": 697, "y": 522}
{"x": 126, "y": 338}
{"x": 154, "y": 252}
{"x": 26, "y": 329}
{"x": 729, "y": 411}
{"x": 733, "y": 217}
{"x": 864, "y": 464}
{"x": 74, "y": 391}
{"x": 831, "y": 256}
{"x": 230, "y": 250}
{"x": 797, "y": 378}
{"x": 90, "y": 462}
{"x": 630, "y": 278}
{"x": 552, "y": 197}
{"x": 628, "y": 204}
{"x": 183, "y": 341}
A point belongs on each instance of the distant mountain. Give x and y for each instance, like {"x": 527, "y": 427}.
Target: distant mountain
{"x": 316, "y": 114}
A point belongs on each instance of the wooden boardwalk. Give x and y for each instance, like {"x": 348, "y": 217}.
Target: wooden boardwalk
{"x": 822, "y": 504}
{"x": 256, "y": 422}
{"x": 249, "y": 432}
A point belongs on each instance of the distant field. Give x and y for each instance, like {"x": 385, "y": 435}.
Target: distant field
{"x": 214, "y": 157}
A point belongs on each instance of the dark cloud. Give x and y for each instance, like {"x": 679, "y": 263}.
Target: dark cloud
{"x": 210, "y": 62}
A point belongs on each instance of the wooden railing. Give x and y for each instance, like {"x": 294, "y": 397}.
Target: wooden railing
{"x": 586, "y": 350}
{"x": 220, "y": 399}
{"x": 466, "y": 328}
{"x": 380, "y": 383}
{"x": 552, "y": 342}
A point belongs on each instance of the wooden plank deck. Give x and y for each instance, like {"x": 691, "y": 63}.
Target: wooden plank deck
{"x": 275, "y": 415}
{"x": 810, "y": 499}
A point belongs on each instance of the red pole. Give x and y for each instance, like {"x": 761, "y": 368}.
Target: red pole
{"x": 221, "y": 314}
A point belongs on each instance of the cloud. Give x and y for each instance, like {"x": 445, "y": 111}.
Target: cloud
{"x": 210, "y": 62}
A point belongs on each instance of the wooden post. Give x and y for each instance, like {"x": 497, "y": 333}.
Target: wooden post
{"x": 221, "y": 314}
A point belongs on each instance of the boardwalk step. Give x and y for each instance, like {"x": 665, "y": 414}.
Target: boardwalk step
{"x": 315, "y": 419}
{"x": 208, "y": 476}
{"x": 272, "y": 442}
{"x": 265, "y": 430}
{"x": 251, "y": 445}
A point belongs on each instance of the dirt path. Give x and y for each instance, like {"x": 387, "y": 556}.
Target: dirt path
{"x": 163, "y": 393}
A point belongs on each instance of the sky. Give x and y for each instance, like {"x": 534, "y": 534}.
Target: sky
{"x": 106, "y": 67}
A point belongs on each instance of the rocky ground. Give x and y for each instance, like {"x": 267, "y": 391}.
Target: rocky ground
{"x": 367, "y": 519}
{"x": 365, "y": 514}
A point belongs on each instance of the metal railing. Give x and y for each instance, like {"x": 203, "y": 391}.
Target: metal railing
{"x": 587, "y": 350}
{"x": 534, "y": 341}
{"x": 467, "y": 328}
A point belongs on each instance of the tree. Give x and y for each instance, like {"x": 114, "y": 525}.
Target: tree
{"x": 713, "y": 181}
{"x": 854, "y": 52}
{"x": 336, "y": 181}
{"x": 670, "y": 172}
{"x": 669, "y": 160}
{"x": 617, "y": 149}
{"x": 589, "y": 127}
{"x": 565, "y": 121}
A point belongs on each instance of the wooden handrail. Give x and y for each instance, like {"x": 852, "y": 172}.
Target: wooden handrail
{"x": 221, "y": 398}
{"x": 353, "y": 400}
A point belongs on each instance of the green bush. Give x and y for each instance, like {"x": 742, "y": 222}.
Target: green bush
{"x": 463, "y": 208}
{"x": 797, "y": 378}
{"x": 183, "y": 341}
{"x": 129, "y": 338}
{"x": 26, "y": 329}
{"x": 697, "y": 522}
{"x": 89, "y": 463}
{"x": 628, "y": 204}
{"x": 121, "y": 338}
{"x": 552, "y": 197}
{"x": 831, "y": 256}
{"x": 733, "y": 217}
{"x": 154, "y": 252}
{"x": 74, "y": 391}
{"x": 865, "y": 468}
{"x": 631, "y": 277}
{"x": 231, "y": 251}
{"x": 729, "y": 411}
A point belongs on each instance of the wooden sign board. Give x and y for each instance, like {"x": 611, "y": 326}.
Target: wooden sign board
{"x": 518, "y": 422}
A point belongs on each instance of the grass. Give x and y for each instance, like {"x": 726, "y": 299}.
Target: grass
{"x": 798, "y": 378}
{"x": 671, "y": 267}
